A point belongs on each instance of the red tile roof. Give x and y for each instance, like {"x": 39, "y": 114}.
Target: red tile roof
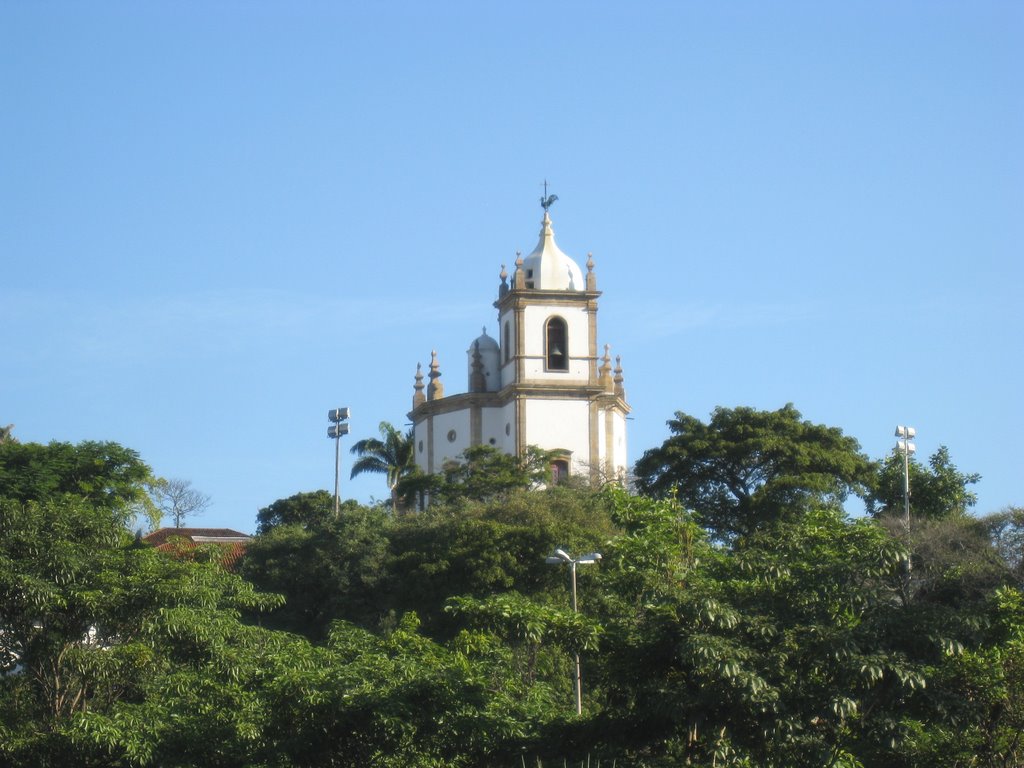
{"x": 161, "y": 535}
{"x": 181, "y": 541}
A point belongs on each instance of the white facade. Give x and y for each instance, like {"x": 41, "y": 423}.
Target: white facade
{"x": 541, "y": 382}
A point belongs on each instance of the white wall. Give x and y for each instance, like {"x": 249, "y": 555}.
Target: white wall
{"x": 492, "y": 423}
{"x": 619, "y": 459}
{"x": 420, "y": 438}
{"x": 508, "y": 370}
{"x": 563, "y": 424}
{"x": 443, "y": 448}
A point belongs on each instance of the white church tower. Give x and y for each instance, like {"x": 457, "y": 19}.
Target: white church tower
{"x": 541, "y": 383}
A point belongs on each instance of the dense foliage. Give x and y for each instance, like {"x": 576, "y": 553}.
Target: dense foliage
{"x": 369, "y": 567}
{"x": 938, "y": 490}
{"x": 761, "y": 627}
{"x": 105, "y": 474}
{"x": 746, "y": 469}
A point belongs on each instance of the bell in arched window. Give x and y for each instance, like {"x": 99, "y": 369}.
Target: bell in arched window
{"x": 556, "y": 345}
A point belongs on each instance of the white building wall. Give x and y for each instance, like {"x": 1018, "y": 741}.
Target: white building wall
{"x": 420, "y": 436}
{"x": 611, "y": 427}
{"x": 445, "y": 449}
{"x": 560, "y": 424}
{"x": 493, "y": 422}
{"x": 620, "y": 461}
{"x": 508, "y": 350}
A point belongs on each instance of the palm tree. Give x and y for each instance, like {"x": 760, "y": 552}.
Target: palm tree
{"x": 391, "y": 456}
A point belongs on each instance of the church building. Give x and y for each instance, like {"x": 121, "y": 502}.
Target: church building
{"x": 541, "y": 382}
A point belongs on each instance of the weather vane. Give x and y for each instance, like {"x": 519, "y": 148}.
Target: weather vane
{"x": 547, "y": 200}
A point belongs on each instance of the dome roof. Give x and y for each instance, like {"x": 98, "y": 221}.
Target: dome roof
{"x": 485, "y": 342}
{"x": 547, "y": 268}
{"x": 483, "y": 357}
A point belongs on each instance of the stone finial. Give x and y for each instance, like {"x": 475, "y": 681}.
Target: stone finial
{"x": 477, "y": 380}
{"x": 418, "y": 397}
{"x": 619, "y": 389}
{"x": 503, "y": 288}
{"x": 519, "y": 278}
{"x": 545, "y": 225}
{"x": 605, "y": 371}
{"x": 591, "y": 277}
{"x": 435, "y": 389}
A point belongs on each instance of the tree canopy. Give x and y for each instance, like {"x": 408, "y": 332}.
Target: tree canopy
{"x": 936, "y": 491}
{"x": 1006, "y": 531}
{"x": 746, "y": 468}
{"x": 484, "y": 473}
{"x": 327, "y": 567}
{"x": 89, "y": 621}
{"x": 106, "y": 474}
{"x": 369, "y": 568}
{"x": 443, "y": 638}
{"x": 308, "y": 509}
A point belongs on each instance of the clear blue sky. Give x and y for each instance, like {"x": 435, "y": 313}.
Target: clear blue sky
{"x": 219, "y": 220}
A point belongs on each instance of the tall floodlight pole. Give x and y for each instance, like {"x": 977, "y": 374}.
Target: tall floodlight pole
{"x": 904, "y": 446}
{"x": 337, "y": 417}
{"x": 561, "y": 557}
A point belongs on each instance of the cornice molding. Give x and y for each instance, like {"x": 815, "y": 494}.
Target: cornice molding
{"x": 532, "y": 390}
{"x": 522, "y": 297}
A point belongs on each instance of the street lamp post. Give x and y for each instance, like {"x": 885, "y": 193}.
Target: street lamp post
{"x": 561, "y": 557}
{"x": 904, "y": 446}
{"x": 337, "y": 417}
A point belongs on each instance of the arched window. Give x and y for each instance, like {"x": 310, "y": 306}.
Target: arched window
{"x": 557, "y": 347}
{"x": 559, "y": 471}
{"x": 507, "y": 342}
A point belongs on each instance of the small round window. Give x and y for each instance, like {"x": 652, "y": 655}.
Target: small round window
{"x": 508, "y": 429}
{"x": 420, "y": 446}
{"x": 451, "y": 435}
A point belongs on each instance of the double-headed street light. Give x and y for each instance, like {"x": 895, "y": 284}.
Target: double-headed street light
{"x": 904, "y": 446}
{"x": 561, "y": 557}
{"x": 337, "y": 417}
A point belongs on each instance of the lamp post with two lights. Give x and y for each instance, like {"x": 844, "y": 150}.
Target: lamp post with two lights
{"x": 561, "y": 557}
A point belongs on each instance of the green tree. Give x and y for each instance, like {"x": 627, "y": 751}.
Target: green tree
{"x": 401, "y": 700}
{"x": 328, "y": 569}
{"x": 747, "y": 468}
{"x": 936, "y": 491}
{"x": 88, "y": 619}
{"x": 370, "y": 569}
{"x": 975, "y": 697}
{"x": 954, "y": 562}
{"x": 1006, "y": 532}
{"x": 766, "y": 654}
{"x": 105, "y": 474}
{"x": 539, "y": 637}
{"x": 484, "y": 473}
{"x": 392, "y": 456}
{"x": 309, "y": 510}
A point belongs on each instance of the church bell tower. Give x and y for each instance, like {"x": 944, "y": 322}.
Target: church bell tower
{"x": 542, "y": 382}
